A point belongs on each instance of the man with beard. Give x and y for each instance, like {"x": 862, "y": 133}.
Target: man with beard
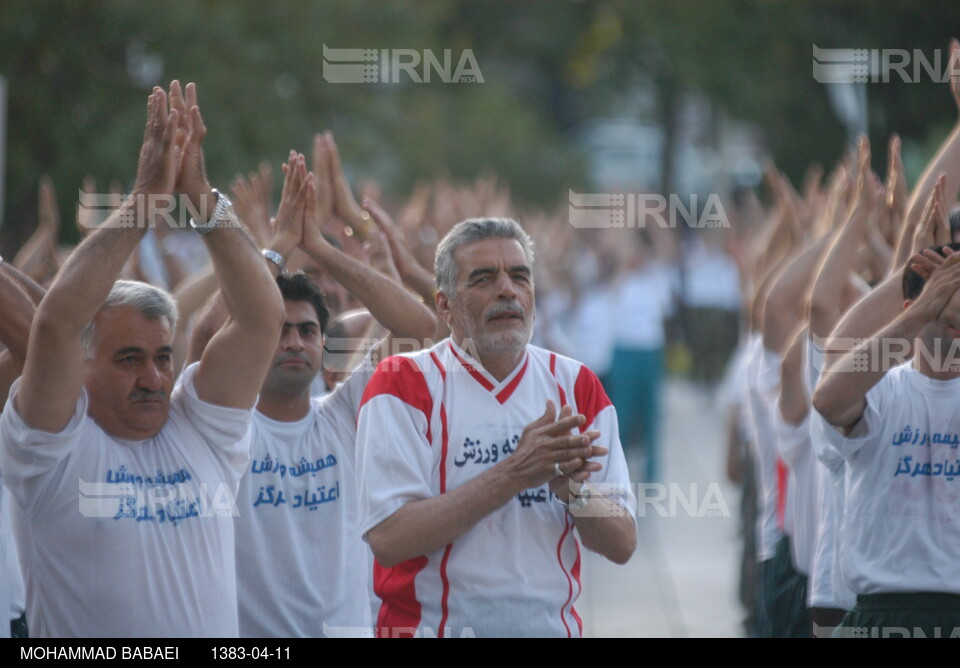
{"x": 471, "y": 483}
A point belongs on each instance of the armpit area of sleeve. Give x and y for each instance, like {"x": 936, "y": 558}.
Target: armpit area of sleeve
{"x": 864, "y": 432}
{"x": 222, "y": 428}
{"x": 219, "y": 423}
{"x": 394, "y": 459}
{"x": 27, "y": 452}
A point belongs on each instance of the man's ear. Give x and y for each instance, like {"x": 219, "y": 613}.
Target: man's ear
{"x": 907, "y": 302}
{"x": 443, "y": 307}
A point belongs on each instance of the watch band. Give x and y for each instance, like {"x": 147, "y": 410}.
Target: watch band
{"x": 221, "y": 216}
{"x": 576, "y": 501}
{"x": 275, "y": 257}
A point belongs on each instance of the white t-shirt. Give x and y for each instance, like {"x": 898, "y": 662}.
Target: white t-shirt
{"x": 592, "y": 328}
{"x": 900, "y": 530}
{"x": 763, "y": 380}
{"x": 431, "y": 422}
{"x": 11, "y": 567}
{"x": 797, "y": 453}
{"x": 302, "y": 568}
{"x": 826, "y": 587}
{"x": 125, "y": 538}
{"x": 712, "y": 280}
{"x": 643, "y": 300}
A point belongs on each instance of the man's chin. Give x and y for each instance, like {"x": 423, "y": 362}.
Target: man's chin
{"x": 504, "y": 343}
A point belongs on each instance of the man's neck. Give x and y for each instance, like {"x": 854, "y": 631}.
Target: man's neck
{"x": 284, "y": 407}
{"x": 497, "y": 364}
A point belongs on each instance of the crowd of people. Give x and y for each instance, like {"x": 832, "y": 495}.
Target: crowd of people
{"x": 281, "y": 423}
{"x": 321, "y": 419}
{"x": 842, "y": 396}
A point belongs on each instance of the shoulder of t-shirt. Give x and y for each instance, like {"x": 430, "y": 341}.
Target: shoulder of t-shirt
{"x": 577, "y": 384}
{"x": 407, "y": 377}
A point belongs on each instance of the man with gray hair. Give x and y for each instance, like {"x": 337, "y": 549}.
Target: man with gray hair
{"x": 125, "y": 484}
{"x": 471, "y": 482}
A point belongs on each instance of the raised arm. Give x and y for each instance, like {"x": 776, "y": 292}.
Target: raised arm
{"x": 235, "y": 362}
{"x": 946, "y": 162}
{"x": 285, "y": 234}
{"x": 389, "y": 302}
{"x": 885, "y": 301}
{"x": 830, "y": 283}
{"x": 840, "y": 396}
{"x": 53, "y": 373}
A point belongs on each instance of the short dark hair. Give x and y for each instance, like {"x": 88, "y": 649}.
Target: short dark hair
{"x": 913, "y": 282}
{"x": 299, "y": 288}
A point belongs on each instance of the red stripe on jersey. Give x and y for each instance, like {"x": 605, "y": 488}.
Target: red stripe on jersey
{"x": 444, "y": 438}
{"x": 400, "y": 377}
{"x": 553, "y": 371}
{"x": 782, "y": 473}
{"x": 508, "y": 390}
{"x": 436, "y": 360}
{"x": 590, "y": 396}
{"x": 576, "y": 576}
{"x": 472, "y": 370}
{"x": 566, "y": 530}
{"x": 397, "y": 588}
{"x": 444, "y": 608}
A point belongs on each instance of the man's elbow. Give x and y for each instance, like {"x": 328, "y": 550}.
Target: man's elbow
{"x": 382, "y": 547}
{"x": 832, "y": 408}
{"x": 823, "y": 403}
{"x": 622, "y": 554}
{"x": 619, "y": 545}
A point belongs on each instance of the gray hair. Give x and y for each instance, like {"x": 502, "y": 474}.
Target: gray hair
{"x": 151, "y": 302}
{"x": 468, "y": 231}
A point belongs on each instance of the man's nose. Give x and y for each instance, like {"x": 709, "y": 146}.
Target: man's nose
{"x": 150, "y": 378}
{"x": 291, "y": 340}
{"x": 505, "y": 286}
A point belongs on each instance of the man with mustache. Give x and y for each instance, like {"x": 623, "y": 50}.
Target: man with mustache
{"x": 302, "y": 568}
{"x": 471, "y": 482}
{"x": 125, "y": 482}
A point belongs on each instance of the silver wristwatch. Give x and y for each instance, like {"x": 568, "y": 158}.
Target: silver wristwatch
{"x": 576, "y": 501}
{"x": 219, "y": 217}
{"x": 275, "y": 257}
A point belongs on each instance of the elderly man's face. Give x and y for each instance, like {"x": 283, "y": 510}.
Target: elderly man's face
{"x": 130, "y": 377}
{"x": 493, "y": 308}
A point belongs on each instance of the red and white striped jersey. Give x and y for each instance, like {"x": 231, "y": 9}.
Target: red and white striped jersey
{"x": 431, "y": 421}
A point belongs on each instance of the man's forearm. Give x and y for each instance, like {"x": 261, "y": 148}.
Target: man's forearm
{"x": 425, "y": 526}
{"x": 606, "y": 528}
{"x": 390, "y": 303}
{"x": 95, "y": 265}
{"x": 840, "y": 396}
{"x": 865, "y": 318}
{"x": 16, "y": 316}
{"x": 248, "y": 289}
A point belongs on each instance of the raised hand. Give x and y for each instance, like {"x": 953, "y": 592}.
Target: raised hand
{"x": 157, "y": 167}
{"x": 192, "y": 179}
{"x": 938, "y": 292}
{"x": 934, "y": 227}
{"x": 288, "y": 225}
{"x": 896, "y": 185}
{"x": 344, "y": 204}
{"x": 323, "y": 178}
{"x": 251, "y": 201}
